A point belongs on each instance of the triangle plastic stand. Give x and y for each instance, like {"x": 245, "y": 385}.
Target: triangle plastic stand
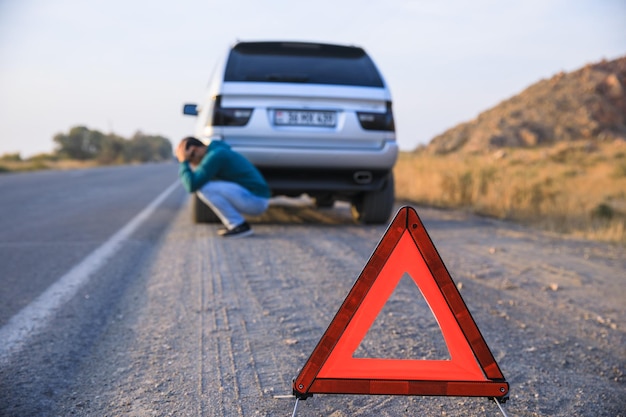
{"x": 471, "y": 371}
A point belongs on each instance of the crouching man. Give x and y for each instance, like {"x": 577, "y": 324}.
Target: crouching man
{"x": 225, "y": 180}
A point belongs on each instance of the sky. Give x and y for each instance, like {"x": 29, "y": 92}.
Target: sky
{"x": 122, "y": 66}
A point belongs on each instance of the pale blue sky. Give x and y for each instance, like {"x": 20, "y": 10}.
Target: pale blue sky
{"x": 128, "y": 65}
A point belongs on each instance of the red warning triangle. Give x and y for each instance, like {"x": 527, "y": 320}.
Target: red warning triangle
{"x": 404, "y": 249}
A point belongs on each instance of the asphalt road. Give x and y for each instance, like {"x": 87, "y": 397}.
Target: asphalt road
{"x": 51, "y": 220}
{"x": 152, "y": 315}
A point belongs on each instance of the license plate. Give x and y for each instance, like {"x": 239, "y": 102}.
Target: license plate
{"x": 305, "y": 118}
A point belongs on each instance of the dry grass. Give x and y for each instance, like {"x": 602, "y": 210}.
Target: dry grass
{"x": 42, "y": 164}
{"x": 572, "y": 188}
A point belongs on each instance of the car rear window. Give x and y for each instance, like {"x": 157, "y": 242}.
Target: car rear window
{"x": 301, "y": 63}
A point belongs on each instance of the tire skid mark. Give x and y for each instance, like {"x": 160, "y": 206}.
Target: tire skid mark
{"x": 299, "y": 273}
{"x": 249, "y": 356}
{"x": 228, "y": 334}
{"x": 211, "y": 367}
{"x": 224, "y": 300}
{"x": 264, "y": 298}
{"x": 202, "y": 404}
{"x": 253, "y": 312}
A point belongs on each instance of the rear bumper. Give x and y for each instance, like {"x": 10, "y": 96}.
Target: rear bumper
{"x": 326, "y": 182}
{"x": 380, "y": 158}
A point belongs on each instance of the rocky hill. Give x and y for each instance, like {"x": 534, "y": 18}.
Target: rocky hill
{"x": 587, "y": 104}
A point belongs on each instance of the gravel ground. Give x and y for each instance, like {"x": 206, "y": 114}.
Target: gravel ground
{"x": 194, "y": 325}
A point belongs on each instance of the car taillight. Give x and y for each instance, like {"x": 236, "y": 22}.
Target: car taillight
{"x": 377, "y": 121}
{"x": 229, "y": 116}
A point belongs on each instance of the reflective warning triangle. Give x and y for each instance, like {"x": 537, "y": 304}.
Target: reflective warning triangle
{"x": 405, "y": 248}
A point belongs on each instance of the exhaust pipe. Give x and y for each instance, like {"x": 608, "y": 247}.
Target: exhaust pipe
{"x": 362, "y": 177}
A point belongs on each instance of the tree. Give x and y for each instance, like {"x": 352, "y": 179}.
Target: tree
{"x": 145, "y": 148}
{"x": 84, "y": 144}
{"x": 112, "y": 150}
{"x": 81, "y": 143}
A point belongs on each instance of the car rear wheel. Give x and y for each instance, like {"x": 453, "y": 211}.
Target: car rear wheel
{"x": 375, "y": 207}
{"x": 201, "y": 213}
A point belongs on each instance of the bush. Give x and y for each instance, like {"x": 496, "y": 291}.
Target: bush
{"x": 603, "y": 211}
{"x": 11, "y": 157}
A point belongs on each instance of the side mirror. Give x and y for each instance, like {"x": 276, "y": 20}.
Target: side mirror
{"x": 190, "y": 109}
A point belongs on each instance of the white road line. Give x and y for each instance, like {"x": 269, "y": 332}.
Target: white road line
{"x": 36, "y": 315}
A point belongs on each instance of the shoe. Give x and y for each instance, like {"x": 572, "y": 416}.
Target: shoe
{"x": 242, "y": 230}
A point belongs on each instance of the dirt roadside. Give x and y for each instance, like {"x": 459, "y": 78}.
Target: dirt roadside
{"x": 214, "y": 327}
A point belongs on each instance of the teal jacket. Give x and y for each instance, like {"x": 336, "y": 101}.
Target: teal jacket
{"x": 222, "y": 163}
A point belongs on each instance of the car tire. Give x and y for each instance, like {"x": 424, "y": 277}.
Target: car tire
{"x": 375, "y": 207}
{"x": 201, "y": 213}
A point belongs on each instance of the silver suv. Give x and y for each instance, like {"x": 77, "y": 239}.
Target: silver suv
{"x": 314, "y": 118}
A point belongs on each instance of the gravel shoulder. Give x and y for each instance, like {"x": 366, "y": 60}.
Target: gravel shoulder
{"x": 215, "y": 327}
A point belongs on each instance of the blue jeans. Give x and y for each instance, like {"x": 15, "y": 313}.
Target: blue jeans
{"x": 229, "y": 200}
